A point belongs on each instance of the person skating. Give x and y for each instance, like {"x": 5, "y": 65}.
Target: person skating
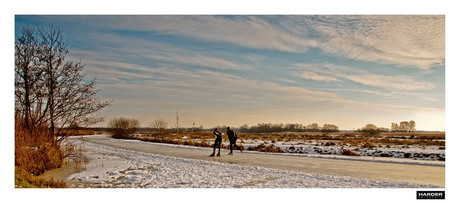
{"x": 232, "y": 138}
{"x": 218, "y": 141}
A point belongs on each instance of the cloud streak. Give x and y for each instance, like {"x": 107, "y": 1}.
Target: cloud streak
{"x": 403, "y": 40}
{"x": 246, "y": 31}
{"x": 162, "y": 52}
{"x": 327, "y": 72}
{"x": 200, "y": 82}
{"x": 277, "y": 68}
{"x": 413, "y": 41}
{"x": 222, "y": 90}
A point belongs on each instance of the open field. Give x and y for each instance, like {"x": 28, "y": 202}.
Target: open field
{"x": 419, "y": 146}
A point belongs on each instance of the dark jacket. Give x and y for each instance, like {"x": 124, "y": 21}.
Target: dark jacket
{"x": 218, "y": 134}
{"x": 231, "y": 135}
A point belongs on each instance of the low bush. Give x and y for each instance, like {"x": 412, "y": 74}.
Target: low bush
{"x": 348, "y": 152}
{"x": 368, "y": 145}
{"x": 329, "y": 144}
{"x": 122, "y": 128}
{"x": 266, "y": 148}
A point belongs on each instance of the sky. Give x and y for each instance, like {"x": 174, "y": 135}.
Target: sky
{"x": 346, "y": 70}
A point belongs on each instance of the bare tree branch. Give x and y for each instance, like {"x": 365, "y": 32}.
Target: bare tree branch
{"x": 51, "y": 91}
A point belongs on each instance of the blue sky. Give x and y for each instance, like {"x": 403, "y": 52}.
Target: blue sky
{"x": 239, "y": 69}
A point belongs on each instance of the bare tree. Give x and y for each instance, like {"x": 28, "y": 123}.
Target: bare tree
{"x": 53, "y": 49}
{"x": 370, "y": 130}
{"x": 328, "y": 128}
{"x": 28, "y": 76}
{"x": 411, "y": 126}
{"x": 404, "y": 126}
{"x": 177, "y": 125}
{"x": 313, "y": 127}
{"x": 123, "y": 127}
{"x": 160, "y": 125}
{"x": 394, "y": 127}
{"x": 49, "y": 89}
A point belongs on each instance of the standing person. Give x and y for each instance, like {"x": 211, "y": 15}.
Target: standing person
{"x": 218, "y": 141}
{"x": 232, "y": 138}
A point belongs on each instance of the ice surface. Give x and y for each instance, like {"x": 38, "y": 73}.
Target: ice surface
{"x": 118, "y": 168}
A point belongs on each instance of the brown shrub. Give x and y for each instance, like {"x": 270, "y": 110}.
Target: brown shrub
{"x": 368, "y": 145}
{"x": 348, "y": 152}
{"x": 204, "y": 144}
{"x": 123, "y": 128}
{"x": 329, "y": 144}
{"x": 36, "y": 150}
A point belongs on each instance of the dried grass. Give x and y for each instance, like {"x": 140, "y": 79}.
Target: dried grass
{"x": 206, "y": 139}
{"x": 36, "y": 152}
{"x": 24, "y": 179}
{"x": 348, "y": 152}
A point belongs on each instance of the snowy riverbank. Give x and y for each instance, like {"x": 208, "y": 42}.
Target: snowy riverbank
{"x": 428, "y": 162}
{"x": 118, "y": 168}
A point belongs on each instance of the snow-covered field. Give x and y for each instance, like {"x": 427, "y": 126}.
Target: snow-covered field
{"x": 318, "y": 147}
{"x": 396, "y": 151}
{"x": 118, "y": 168}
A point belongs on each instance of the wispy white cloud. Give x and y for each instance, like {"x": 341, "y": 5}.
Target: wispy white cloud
{"x": 405, "y": 40}
{"x": 393, "y": 94}
{"x": 431, "y": 99}
{"x": 123, "y": 47}
{"x": 414, "y": 41}
{"x": 330, "y": 72}
{"x": 141, "y": 72}
{"x": 195, "y": 84}
{"x": 246, "y": 31}
{"x": 222, "y": 89}
{"x": 314, "y": 75}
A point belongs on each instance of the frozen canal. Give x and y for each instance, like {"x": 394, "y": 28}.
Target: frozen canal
{"x": 135, "y": 164}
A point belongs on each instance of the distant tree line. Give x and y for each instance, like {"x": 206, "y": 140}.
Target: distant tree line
{"x": 296, "y": 127}
{"x": 160, "y": 126}
{"x": 373, "y": 130}
{"x": 404, "y": 126}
